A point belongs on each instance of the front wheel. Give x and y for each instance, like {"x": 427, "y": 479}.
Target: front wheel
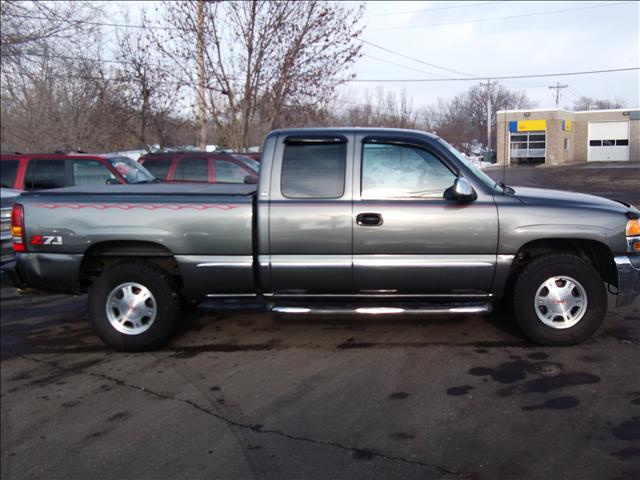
{"x": 134, "y": 306}
{"x": 559, "y": 300}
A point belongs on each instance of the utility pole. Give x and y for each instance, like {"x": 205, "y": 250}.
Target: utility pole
{"x": 557, "y": 88}
{"x": 488, "y": 115}
{"x": 202, "y": 110}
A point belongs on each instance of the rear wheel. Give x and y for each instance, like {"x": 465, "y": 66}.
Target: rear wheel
{"x": 559, "y": 300}
{"x": 134, "y": 306}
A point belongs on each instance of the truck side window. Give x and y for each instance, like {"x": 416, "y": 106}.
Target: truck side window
{"x": 42, "y": 174}
{"x": 401, "y": 171}
{"x": 313, "y": 170}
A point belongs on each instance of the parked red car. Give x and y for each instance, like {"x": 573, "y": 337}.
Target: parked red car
{"x": 207, "y": 167}
{"x": 254, "y": 155}
{"x": 24, "y": 171}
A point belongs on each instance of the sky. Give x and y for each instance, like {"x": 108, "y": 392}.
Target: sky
{"x": 579, "y": 39}
{"x": 474, "y": 37}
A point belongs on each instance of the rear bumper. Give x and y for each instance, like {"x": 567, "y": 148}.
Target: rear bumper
{"x": 6, "y": 248}
{"x": 11, "y": 276}
{"x": 48, "y": 272}
{"x": 628, "y": 279}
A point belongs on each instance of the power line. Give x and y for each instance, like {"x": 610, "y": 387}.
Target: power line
{"x": 478, "y": 20}
{"x": 417, "y": 59}
{"x": 123, "y": 62}
{"x": 81, "y": 59}
{"x": 406, "y": 12}
{"x": 504, "y": 77}
{"x": 158, "y": 27}
{"x": 557, "y": 87}
{"x": 575, "y": 92}
{"x": 396, "y": 80}
{"x": 403, "y": 66}
{"x": 98, "y": 24}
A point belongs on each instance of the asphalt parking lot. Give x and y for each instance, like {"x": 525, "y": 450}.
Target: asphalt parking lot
{"x": 238, "y": 394}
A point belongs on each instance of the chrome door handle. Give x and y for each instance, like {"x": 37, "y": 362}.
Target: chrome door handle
{"x": 369, "y": 219}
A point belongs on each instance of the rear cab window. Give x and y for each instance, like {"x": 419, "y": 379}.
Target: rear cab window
{"x": 9, "y": 172}
{"x": 314, "y": 168}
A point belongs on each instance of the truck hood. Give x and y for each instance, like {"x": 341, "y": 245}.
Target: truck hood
{"x": 542, "y": 196}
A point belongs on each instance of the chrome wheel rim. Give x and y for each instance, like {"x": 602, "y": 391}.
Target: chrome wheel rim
{"x": 131, "y": 308}
{"x": 560, "y": 302}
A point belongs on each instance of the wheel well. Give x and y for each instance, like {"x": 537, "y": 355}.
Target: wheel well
{"x": 594, "y": 252}
{"x": 105, "y": 254}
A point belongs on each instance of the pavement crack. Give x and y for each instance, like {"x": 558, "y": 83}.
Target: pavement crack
{"x": 256, "y": 428}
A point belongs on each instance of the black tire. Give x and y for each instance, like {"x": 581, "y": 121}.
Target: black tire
{"x": 533, "y": 276}
{"x": 167, "y": 305}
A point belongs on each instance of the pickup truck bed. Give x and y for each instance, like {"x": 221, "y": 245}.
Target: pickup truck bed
{"x": 214, "y": 220}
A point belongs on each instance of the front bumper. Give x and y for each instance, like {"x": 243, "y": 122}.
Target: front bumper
{"x": 628, "y": 279}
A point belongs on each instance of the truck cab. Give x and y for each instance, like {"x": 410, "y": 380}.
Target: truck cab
{"x": 374, "y": 213}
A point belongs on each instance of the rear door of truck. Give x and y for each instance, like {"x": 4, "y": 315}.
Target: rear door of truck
{"x": 310, "y": 215}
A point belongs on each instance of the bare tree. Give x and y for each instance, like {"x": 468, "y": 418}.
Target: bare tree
{"x": 33, "y": 28}
{"x": 262, "y": 58}
{"x": 589, "y": 103}
{"x": 148, "y": 94}
{"x": 452, "y": 121}
{"x": 50, "y": 82}
{"x": 462, "y": 121}
{"x": 378, "y": 109}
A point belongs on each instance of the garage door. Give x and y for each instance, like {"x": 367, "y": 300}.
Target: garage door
{"x": 608, "y": 141}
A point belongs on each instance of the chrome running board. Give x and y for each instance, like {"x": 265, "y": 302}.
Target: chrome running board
{"x": 418, "y": 309}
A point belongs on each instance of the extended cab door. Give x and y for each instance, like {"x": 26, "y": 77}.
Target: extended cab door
{"x": 310, "y": 231}
{"x": 407, "y": 238}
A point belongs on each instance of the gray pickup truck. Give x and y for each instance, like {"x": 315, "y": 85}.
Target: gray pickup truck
{"x": 369, "y": 221}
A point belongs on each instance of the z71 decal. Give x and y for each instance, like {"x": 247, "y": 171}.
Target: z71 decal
{"x": 46, "y": 240}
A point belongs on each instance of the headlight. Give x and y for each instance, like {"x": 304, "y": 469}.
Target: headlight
{"x": 633, "y": 227}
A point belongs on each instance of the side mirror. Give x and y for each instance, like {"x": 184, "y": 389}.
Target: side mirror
{"x": 461, "y": 190}
{"x": 112, "y": 181}
{"x": 250, "y": 180}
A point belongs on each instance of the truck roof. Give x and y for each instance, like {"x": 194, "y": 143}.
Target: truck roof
{"x": 346, "y": 130}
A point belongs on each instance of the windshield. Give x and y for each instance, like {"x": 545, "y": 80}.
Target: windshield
{"x": 249, "y": 162}
{"x": 131, "y": 170}
{"x": 480, "y": 175}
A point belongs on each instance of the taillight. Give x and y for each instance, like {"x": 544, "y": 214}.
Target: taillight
{"x": 17, "y": 228}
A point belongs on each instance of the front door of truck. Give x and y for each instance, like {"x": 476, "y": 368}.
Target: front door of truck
{"x": 310, "y": 232}
{"x": 407, "y": 238}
